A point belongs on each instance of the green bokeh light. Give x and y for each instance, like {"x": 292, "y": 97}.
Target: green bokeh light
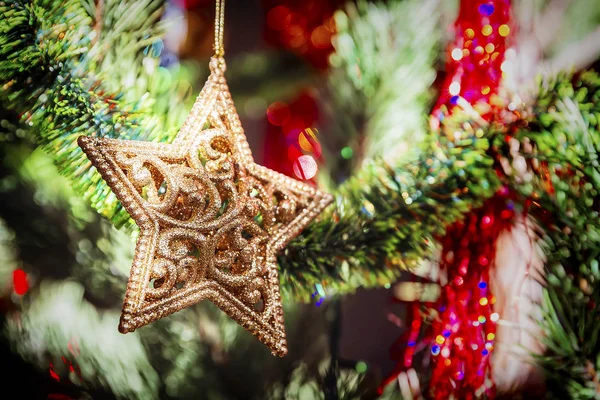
{"x": 347, "y": 153}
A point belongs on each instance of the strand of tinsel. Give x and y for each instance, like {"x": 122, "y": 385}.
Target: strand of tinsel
{"x": 462, "y": 334}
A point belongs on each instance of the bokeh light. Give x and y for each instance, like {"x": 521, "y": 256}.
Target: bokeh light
{"x": 278, "y": 18}
{"x": 305, "y": 167}
{"x": 20, "y": 282}
{"x": 504, "y": 30}
{"x": 321, "y": 37}
{"x": 278, "y": 113}
{"x": 347, "y": 153}
{"x": 457, "y": 54}
{"x": 308, "y": 141}
{"x": 454, "y": 88}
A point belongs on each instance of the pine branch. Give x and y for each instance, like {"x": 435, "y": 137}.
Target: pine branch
{"x": 380, "y": 77}
{"x": 54, "y": 87}
{"x": 560, "y": 150}
{"x": 387, "y": 219}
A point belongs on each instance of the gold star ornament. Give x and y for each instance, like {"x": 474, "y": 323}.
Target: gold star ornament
{"x": 211, "y": 220}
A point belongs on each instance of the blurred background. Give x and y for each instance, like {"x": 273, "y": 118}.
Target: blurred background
{"x": 307, "y": 112}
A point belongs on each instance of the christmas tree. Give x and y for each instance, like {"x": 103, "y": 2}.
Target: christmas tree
{"x": 459, "y": 258}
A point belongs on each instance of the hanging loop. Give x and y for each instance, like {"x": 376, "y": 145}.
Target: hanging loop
{"x": 219, "y": 28}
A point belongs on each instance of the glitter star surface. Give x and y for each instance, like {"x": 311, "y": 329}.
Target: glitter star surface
{"x": 211, "y": 220}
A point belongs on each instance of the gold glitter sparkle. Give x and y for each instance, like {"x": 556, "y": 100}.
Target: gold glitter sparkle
{"x": 211, "y": 220}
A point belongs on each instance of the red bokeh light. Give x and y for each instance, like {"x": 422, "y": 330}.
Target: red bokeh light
{"x": 320, "y": 37}
{"x": 278, "y": 113}
{"x": 278, "y": 18}
{"x": 294, "y": 125}
{"x": 53, "y": 374}
{"x": 293, "y": 153}
{"x": 302, "y": 26}
{"x": 290, "y": 133}
{"x": 20, "y": 283}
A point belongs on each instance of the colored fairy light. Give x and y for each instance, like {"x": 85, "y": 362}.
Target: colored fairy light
{"x": 368, "y": 208}
{"x": 457, "y": 54}
{"x": 486, "y": 9}
{"x": 440, "y": 339}
{"x": 491, "y": 336}
{"x": 447, "y": 362}
{"x": 463, "y": 268}
{"x": 489, "y": 48}
{"x": 476, "y": 323}
{"x": 485, "y": 352}
{"x": 460, "y": 375}
{"x": 474, "y": 347}
{"x": 458, "y": 341}
{"x": 346, "y": 152}
{"x": 469, "y": 33}
{"x": 483, "y": 301}
{"x": 411, "y": 343}
{"x": 482, "y": 285}
{"x": 307, "y": 140}
{"x": 20, "y": 282}
{"x": 361, "y": 367}
{"x": 479, "y": 50}
{"x": 435, "y": 350}
{"x": 486, "y": 30}
{"x": 483, "y": 260}
{"x": 494, "y": 317}
{"x": 445, "y": 352}
{"x": 446, "y": 334}
{"x": 320, "y": 289}
{"x": 305, "y": 167}
{"x": 454, "y": 88}
{"x": 53, "y": 374}
{"x": 481, "y": 319}
{"x": 489, "y": 346}
{"x": 503, "y": 30}
{"x": 485, "y": 90}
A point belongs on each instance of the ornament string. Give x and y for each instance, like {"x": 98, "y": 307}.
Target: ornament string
{"x": 219, "y": 28}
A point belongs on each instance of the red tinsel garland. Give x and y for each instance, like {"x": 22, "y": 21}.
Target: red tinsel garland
{"x": 475, "y": 57}
{"x": 465, "y": 328}
{"x": 462, "y": 333}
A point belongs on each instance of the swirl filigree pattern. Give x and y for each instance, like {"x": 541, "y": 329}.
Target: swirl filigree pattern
{"x": 211, "y": 220}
